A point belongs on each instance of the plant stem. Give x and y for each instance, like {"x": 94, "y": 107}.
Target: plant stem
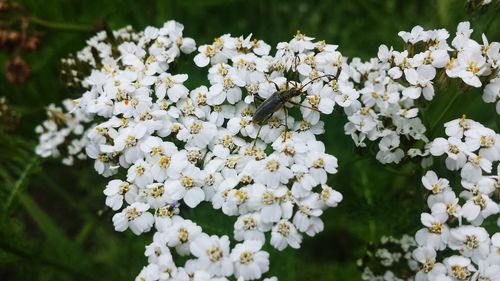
{"x": 23, "y": 179}
{"x": 397, "y": 172}
{"x": 60, "y": 25}
{"x": 489, "y": 24}
{"x": 444, "y": 112}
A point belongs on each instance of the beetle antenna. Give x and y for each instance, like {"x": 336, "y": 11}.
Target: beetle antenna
{"x": 314, "y": 79}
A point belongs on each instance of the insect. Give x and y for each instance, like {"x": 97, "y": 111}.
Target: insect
{"x": 277, "y": 101}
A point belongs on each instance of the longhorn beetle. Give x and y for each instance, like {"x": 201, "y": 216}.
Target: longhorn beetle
{"x": 277, "y": 101}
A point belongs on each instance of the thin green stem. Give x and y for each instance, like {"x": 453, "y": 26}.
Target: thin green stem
{"x": 352, "y": 161}
{"x": 61, "y": 26}
{"x": 444, "y": 112}
{"x": 84, "y": 232}
{"x": 397, "y": 172}
{"x": 489, "y": 24}
{"x": 23, "y": 179}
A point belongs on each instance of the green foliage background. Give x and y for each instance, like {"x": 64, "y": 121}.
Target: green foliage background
{"x": 53, "y": 222}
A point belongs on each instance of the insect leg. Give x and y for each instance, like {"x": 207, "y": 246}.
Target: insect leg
{"x": 286, "y": 124}
{"x": 276, "y": 86}
{"x": 258, "y": 131}
{"x": 256, "y": 137}
{"x": 295, "y": 61}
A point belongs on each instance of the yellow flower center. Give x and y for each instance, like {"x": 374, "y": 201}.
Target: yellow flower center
{"x": 272, "y": 165}
{"x": 214, "y": 254}
{"x": 187, "y": 182}
{"x": 246, "y": 257}
{"x": 183, "y": 235}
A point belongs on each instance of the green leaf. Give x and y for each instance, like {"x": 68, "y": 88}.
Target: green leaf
{"x": 19, "y": 184}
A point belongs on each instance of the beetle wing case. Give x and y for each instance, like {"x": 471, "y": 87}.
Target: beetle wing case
{"x": 268, "y": 107}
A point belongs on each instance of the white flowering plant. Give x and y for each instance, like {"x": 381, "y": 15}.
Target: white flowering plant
{"x": 249, "y": 143}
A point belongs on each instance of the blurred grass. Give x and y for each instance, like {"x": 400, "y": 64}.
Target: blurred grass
{"x": 54, "y": 225}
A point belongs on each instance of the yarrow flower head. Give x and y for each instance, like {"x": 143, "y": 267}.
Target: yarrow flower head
{"x": 246, "y": 144}
{"x": 181, "y": 147}
{"x": 454, "y": 224}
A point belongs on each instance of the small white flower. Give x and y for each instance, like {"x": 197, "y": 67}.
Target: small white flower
{"x": 478, "y": 207}
{"x": 471, "y": 241}
{"x": 171, "y": 86}
{"x": 250, "y": 227}
{"x": 437, "y": 58}
{"x": 166, "y": 161}
{"x": 303, "y": 181}
{"x": 445, "y": 204}
{"x": 187, "y": 187}
{"x": 249, "y": 261}
{"x": 389, "y": 149}
{"x": 116, "y": 191}
{"x": 319, "y": 163}
{"x": 459, "y": 268}
{"x": 191, "y": 272}
{"x": 136, "y": 217}
{"x": 128, "y": 142}
{"x": 140, "y": 173}
{"x": 307, "y": 219}
{"x": 435, "y": 234}
{"x": 487, "y": 271}
{"x": 429, "y": 267}
{"x": 301, "y": 43}
{"x": 210, "y": 53}
{"x": 417, "y": 34}
{"x": 285, "y": 234}
{"x": 330, "y": 197}
{"x": 437, "y": 185}
{"x": 150, "y": 272}
{"x": 197, "y": 133}
{"x": 181, "y": 234}
{"x": 155, "y": 195}
{"x": 454, "y": 148}
{"x": 457, "y": 128}
{"x": 157, "y": 249}
{"x": 469, "y": 64}
{"x": 271, "y": 202}
{"x": 213, "y": 254}
{"x": 226, "y": 87}
{"x": 473, "y": 169}
{"x": 347, "y": 95}
{"x": 322, "y": 97}
{"x": 272, "y": 171}
{"x": 420, "y": 79}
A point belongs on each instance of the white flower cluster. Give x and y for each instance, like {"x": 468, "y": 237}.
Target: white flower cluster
{"x": 380, "y": 261}
{"x": 393, "y": 85}
{"x": 455, "y": 227}
{"x": 180, "y": 147}
{"x": 63, "y": 131}
{"x": 244, "y": 65}
{"x": 236, "y": 144}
